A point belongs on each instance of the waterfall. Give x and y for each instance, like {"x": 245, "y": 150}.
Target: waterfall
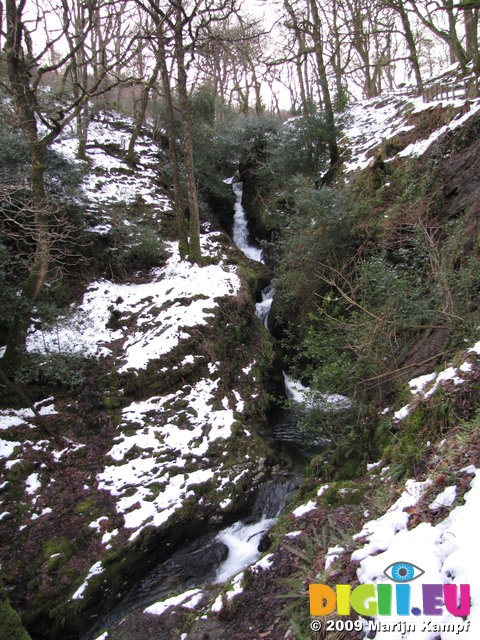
{"x": 241, "y": 239}
{"x": 240, "y": 226}
{"x": 242, "y": 541}
{"x": 243, "y": 538}
{"x": 299, "y": 394}
{"x": 295, "y": 390}
{"x": 263, "y": 307}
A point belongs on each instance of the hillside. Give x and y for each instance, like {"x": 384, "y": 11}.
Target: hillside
{"x": 152, "y": 444}
{"x": 149, "y": 427}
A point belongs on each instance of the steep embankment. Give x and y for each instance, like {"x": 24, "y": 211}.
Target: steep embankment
{"x": 160, "y": 441}
{"x": 417, "y": 505}
{"x": 352, "y": 531}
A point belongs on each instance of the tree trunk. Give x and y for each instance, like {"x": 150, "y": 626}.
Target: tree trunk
{"x": 25, "y": 107}
{"x": 172, "y": 147}
{"x": 194, "y": 253}
{"x": 130, "y": 158}
{"x": 80, "y": 78}
{"x": 259, "y": 108}
{"x": 450, "y": 37}
{"x": 42, "y": 236}
{"x": 322, "y": 74}
{"x": 471, "y": 32}
{"x": 82, "y": 120}
{"x": 457, "y": 52}
{"x": 341, "y": 94}
{"x": 301, "y": 83}
{"x": 409, "y": 37}
{"x": 38, "y": 271}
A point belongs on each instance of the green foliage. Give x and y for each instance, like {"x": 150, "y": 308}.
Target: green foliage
{"x": 341, "y": 99}
{"x": 13, "y": 150}
{"x": 8, "y": 301}
{"x": 344, "y": 327}
{"x": 54, "y": 369}
{"x": 17, "y": 223}
{"x": 12, "y": 270}
{"x": 425, "y": 423}
{"x": 315, "y": 233}
{"x": 10, "y": 623}
{"x": 135, "y": 246}
{"x": 343, "y": 493}
{"x": 202, "y": 105}
{"x": 301, "y": 146}
{"x": 62, "y": 175}
{"x": 223, "y": 147}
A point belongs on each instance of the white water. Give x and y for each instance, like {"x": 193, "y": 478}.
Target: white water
{"x": 240, "y": 226}
{"x": 295, "y": 390}
{"x": 263, "y": 307}
{"x": 242, "y": 541}
{"x": 298, "y": 393}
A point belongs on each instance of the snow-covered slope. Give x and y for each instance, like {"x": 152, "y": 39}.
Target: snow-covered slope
{"x": 373, "y": 123}
{"x": 156, "y": 437}
{"x": 109, "y": 180}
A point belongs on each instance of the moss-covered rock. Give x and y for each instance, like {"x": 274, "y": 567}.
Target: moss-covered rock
{"x": 11, "y": 625}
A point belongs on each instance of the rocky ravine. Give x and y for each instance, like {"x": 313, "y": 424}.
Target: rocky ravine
{"x": 160, "y": 444}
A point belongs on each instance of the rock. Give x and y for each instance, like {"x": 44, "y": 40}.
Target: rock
{"x": 201, "y": 562}
{"x": 206, "y": 630}
{"x": 265, "y": 542}
{"x": 461, "y": 185}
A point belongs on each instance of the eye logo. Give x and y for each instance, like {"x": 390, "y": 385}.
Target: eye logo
{"x": 403, "y": 571}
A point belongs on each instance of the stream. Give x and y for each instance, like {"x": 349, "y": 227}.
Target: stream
{"x": 291, "y": 441}
{"x": 212, "y": 558}
{"x": 218, "y": 556}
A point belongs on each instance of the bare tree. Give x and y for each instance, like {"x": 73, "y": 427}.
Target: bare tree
{"x": 440, "y": 17}
{"x": 317, "y": 37}
{"x": 232, "y": 58}
{"x": 41, "y": 121}
{"x": 182, "y": 21}
{"x": 180, "y": 24}
{"x": 400, "y": 8}
{"x": 162, "y": 21}
{"x": 141, "y": 112}
{"x": 172, "y": 145}
{"x": 300, "y": 61}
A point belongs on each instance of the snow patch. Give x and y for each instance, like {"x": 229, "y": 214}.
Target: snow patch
{"x": 381, "y": 532}
{"x": 95, "y": 570}
{"x": 304, "y": 508}
{"x": 179, "y": 296}
{"x": 444, "y": 499}
{"x": 188, "y": 599}
{"x": 441, "y": 551}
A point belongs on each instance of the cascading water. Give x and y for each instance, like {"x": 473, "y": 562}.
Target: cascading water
{"x": 212, "y": 558}
{"x": 285, "y": 421}
{"x": 243, "y": 538}
{"x": 263, "y": 307}
{"x": 216, "y": 557}
{"x": 240, "y": 226}
{"x": 240, "y": 236}
{"x": 299, "y": 394}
